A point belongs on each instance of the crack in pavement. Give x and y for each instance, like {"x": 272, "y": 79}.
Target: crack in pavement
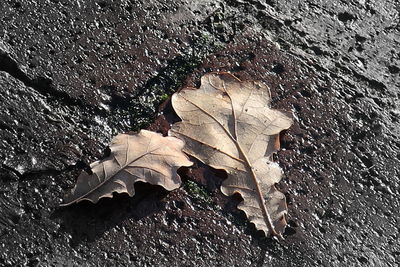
{"x": 42, "y": 85}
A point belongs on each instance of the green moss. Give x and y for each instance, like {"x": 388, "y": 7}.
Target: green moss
{"x": 200, "y": 195}
{"x": 164, "y": 97}
{"x": 138, "y": 111}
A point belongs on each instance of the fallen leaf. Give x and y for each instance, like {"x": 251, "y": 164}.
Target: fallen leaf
{"x": 228, "y": 124}
{"x": 146, "y": 156}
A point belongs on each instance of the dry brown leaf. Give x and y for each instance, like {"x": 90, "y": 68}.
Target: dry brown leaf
{"x": 228, "y": 124}
{"x": 146, "y": 156}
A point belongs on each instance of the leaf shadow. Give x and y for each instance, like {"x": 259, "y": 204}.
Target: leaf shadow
{"x": 87, "y": 222}
{"x": 211, "y": 179}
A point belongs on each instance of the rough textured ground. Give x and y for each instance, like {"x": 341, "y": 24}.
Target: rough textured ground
{"x": 73, "y": 74}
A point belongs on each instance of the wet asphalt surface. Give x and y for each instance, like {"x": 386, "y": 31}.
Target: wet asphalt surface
{"x": 73, "y": 74}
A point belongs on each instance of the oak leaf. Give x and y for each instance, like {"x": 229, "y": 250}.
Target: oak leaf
{"x": 228, "y": 124}
{"x": 145, "y": 156}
